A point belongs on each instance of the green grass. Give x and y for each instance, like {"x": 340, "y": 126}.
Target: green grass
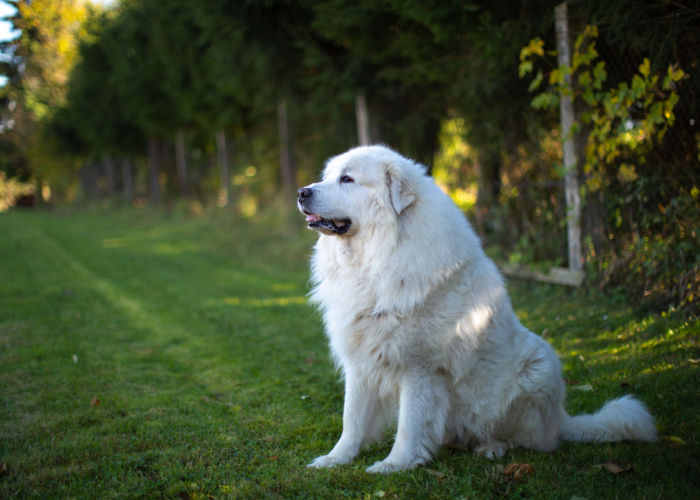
{"x": 213, "y": 376}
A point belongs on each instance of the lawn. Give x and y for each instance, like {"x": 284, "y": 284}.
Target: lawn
{"x": 154, "y": 355}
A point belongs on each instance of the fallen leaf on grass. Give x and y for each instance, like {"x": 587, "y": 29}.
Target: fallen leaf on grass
{"x": 583, "y": 388}
{"x": 613, "y": 468}
{"x": 520, "y": 472}
{"x": 436, "y": 473}
{"x": 674, "y": 440}
{"x": 94, "y": 402}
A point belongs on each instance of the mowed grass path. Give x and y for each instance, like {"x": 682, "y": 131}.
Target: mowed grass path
{"x": 150, "y": 355}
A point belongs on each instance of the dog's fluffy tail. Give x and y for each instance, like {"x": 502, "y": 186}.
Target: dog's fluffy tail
{"x": 622, "y": 418}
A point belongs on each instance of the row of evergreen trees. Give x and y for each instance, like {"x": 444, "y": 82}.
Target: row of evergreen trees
{"x": 161, "y": 79}
{"x": 158, "y": 98}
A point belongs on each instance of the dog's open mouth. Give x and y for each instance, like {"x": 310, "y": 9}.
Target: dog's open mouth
{"x": 336, "y": 226}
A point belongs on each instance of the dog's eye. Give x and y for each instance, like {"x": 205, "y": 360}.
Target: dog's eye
{"x": 346, "y": 179}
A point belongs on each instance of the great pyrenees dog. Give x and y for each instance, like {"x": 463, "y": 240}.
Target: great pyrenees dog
{"x": 421, "y": 326}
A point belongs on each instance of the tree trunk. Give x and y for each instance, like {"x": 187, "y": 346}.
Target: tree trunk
{"x": 85, "y": 180}
{"x": 127, "y": 180}
{"x": 89, "y": 181}
{"x": 488, "y": 185}
{"x": 362, "y": 117}
{"x": 181, "y": 163}
{"x": 287, "y": 170}
{"x": 222, "y": 160}
{"x": 108, "y": 168}
{"x": 94, "y": 181}
{"x": 39, "y": 191}
{"x": 153, "y": 171}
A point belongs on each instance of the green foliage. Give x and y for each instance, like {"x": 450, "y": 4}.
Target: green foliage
{"x": 623, "y": 122}
{"x": 96, "y": 119}
{"x": 653, "y": 245}
{"x": 37, "y": 63}
{"x": 166, "y": 356}
{"x": 453, "y": 168}
{"x": 656, "y": 243}
{"x": 148, "y": 69}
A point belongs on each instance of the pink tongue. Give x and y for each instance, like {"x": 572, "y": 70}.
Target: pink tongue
{"x": 312, "y": 218}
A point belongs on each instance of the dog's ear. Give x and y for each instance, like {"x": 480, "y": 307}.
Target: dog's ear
{"x": 400, "y": 191}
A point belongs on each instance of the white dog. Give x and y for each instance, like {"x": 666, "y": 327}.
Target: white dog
{"x": 420, "y": 322}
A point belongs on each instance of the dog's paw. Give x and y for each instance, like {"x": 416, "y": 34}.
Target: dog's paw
{"x": 492, "y": 449}
{"x": 385, "y": 466}
{"x": 325, "y": 461}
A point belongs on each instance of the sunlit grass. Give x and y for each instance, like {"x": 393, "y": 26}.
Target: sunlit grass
{"x": 214, "y": 380}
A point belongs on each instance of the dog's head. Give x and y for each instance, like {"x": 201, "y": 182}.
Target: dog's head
{"x": 363, "y": 187}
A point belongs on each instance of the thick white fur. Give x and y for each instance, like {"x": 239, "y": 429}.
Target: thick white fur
{"x": 421, "y": 325}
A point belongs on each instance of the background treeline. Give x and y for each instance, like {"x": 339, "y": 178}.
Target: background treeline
{"x": 238, "y": 102}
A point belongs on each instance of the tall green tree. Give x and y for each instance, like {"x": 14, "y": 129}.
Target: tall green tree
{"x": 387, "y": 54}
{"x": 94, "y": 120}
{"x": 38, "y": 64}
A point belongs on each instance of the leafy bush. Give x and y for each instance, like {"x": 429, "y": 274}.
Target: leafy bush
{"x": 649, "y": 209}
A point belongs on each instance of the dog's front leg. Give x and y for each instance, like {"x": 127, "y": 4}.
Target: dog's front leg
{"x": 423, "y": 407}
{"x": 358, "y": 414}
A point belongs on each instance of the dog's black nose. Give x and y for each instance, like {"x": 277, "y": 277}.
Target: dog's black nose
{"x": 304, "y": 193}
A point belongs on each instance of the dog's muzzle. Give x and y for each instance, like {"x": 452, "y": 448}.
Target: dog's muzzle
{"x": 305, "y": 202}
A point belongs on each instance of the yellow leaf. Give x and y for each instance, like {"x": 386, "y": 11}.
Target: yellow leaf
{"x": 675, "y": 440}
{"x": 525, "y": 68}
{"x": 520, "y": 472}
{"x": 675, "y": 73}
{"x": 613, "y": 468}
{"x": 644, "y": 67}
{"x": 627, "y": 173}
{"x": 535, "y": 47}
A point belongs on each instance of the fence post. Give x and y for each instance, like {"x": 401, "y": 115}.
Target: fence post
{"x": 153, "y": 171}
{"x": 127, "y": 180}
{"x": 566, "y": 110}
{"x": 362, "y": 117}
{"x": 222, "y": 160}
{"x": 181, "y": 162}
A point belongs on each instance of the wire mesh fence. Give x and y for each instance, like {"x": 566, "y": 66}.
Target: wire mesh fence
{"x": 640, "y": 224}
